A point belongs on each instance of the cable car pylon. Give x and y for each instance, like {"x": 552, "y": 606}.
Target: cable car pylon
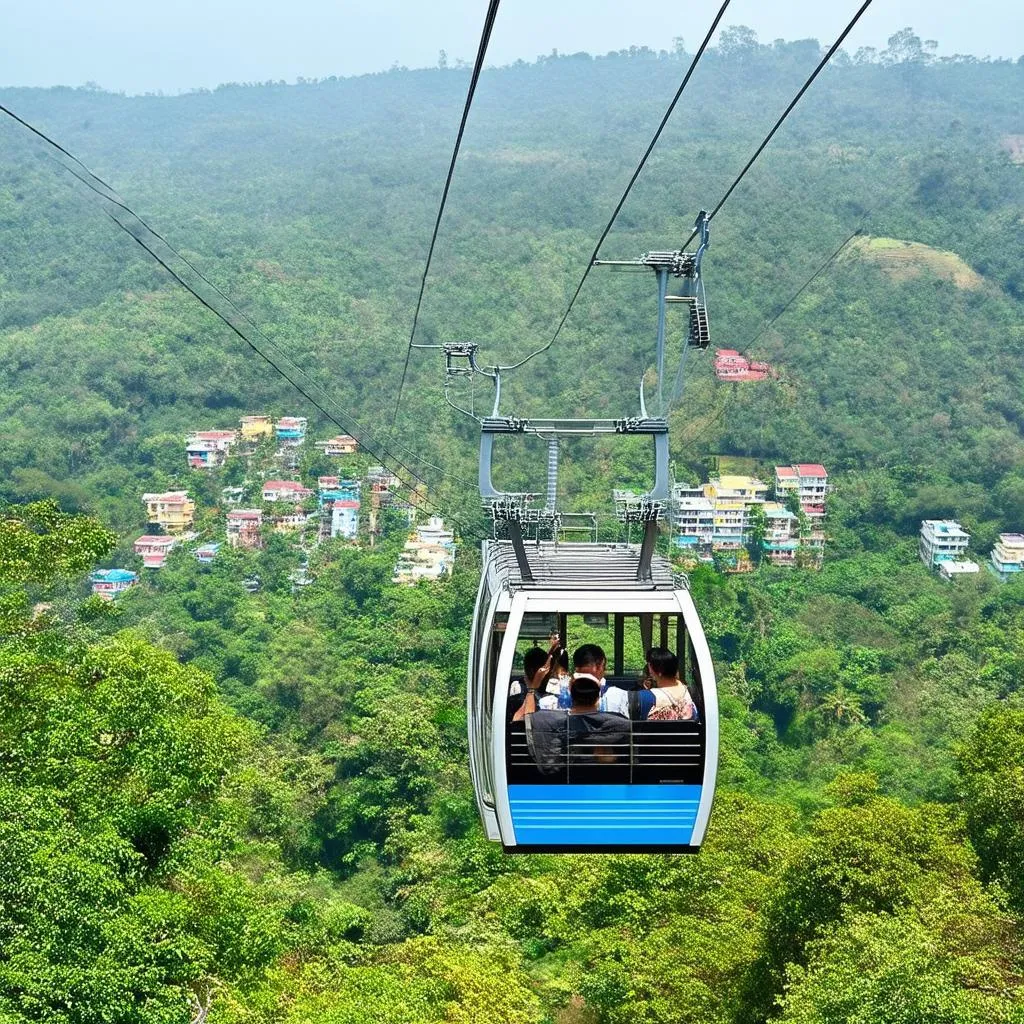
{"x": 686, "y": 267}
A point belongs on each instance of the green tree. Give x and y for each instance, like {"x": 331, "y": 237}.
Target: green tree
{"x": 757, "y": 529}
{"x": 992, "y": 767}
{"x": 898, "y": 969}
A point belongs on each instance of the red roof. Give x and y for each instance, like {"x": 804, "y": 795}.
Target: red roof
{"x": 811, "y": 469}
{"x": 245, "y": 515}
{"x": 284, "y": 485}
{"x": 346, "y": 504}
{"x": 213, "y": 435}
{"x": 155, "y": 539}
{"x": 785, "y": 471}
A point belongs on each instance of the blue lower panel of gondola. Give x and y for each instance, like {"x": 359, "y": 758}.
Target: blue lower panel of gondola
{"x": 622, "y": 815}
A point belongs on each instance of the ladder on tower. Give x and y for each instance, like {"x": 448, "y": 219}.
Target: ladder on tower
{"x": 700, "y": 334}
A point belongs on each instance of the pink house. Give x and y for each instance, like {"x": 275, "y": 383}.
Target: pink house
{"x": 808, "y": 481}
{"x": 245, "y": 528}
{"x": 154, "y": 549}
{"x": 207, "y": 449}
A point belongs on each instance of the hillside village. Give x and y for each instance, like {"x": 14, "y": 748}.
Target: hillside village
{"x": 732, "y": 522}
{"x": 719, "y": 522}
{"x": 272, "y": 500}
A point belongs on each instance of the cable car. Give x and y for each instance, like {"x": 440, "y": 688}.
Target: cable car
{"x": 650, "y": 791}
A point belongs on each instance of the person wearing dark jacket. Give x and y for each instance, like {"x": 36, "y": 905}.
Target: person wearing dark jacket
{"x": 584, "y": 741}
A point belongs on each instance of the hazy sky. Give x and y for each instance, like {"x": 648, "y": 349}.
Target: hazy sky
{"x": 144, "y": 46}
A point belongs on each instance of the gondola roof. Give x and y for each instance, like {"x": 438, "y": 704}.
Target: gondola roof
{"x": 576, "y": 566}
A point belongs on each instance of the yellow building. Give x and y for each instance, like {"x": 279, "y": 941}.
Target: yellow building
{"x": 733, "y": 487}
{"x": 255, "y": 427}
{"x": 172, "y": 511}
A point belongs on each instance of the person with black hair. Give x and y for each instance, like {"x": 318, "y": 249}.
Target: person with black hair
{"x": 538, "y": 666}
{"x": 665, "y": 698}
{"x": 590, "y": 662}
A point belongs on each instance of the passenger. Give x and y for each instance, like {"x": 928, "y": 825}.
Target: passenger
{"x": 590, "y": 663}
{"x": 583, "y": 736}
{"x": 665, "y": 698}
{"x": 537, "y": 673}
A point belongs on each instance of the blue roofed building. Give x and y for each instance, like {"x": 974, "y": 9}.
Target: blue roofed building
{"x": 110, "y": 583}
{"x": 206, "y": 553}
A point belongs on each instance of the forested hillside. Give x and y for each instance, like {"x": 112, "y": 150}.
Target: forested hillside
{"x": 254, "y": 807}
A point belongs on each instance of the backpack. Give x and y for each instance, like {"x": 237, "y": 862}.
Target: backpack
{"x": 675, "y": 711}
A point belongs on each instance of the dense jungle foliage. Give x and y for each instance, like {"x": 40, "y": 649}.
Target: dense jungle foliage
{"x": 233, "y": 807}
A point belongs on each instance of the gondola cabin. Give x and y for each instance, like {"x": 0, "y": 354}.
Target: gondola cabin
{"x": 649, "y": 791}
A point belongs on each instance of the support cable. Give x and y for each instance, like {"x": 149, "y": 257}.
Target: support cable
{"x": 796, "y": 295}
{"x": 789, "y": 109}
{"x": 383, "y": 455}
{"x": 485, "y": 36}
{"x": 110, "y": 195}
{"x": 757, "y": 153}
{"x": 744, "y": 349}
{"x": 629, "y": 187}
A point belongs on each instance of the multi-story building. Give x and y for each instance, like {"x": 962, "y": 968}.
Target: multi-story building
{"x": 781, "y": 536}
{"x": 345, "y": 519}
{"x": 783, "y": 543}
{"x": 245, "y": 528}
{"x": 693, "y": 520}
{"x": 942, "y": 540}
{"x": 733, "y": 496}
{"x": 808, "y": 481}
{"x": 336, "y": 488}
{"x": 255, "y": 428}
{"x": 172, "y": 511}
{"x": 342, "y": 444}
{"x": 109, "y": 583}
{"x": 206, "y": 553}
{"x": 285, "y": 490}
{"x": 208, "y": 449}
{"x": 428, "y": 554}
{"x": 290, "y": 430}
{"x": 729, "y": 525}
{"x": 713, "y": 522}
{"x": 1007, "y": 558}
{"x": 154, "y": 549}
